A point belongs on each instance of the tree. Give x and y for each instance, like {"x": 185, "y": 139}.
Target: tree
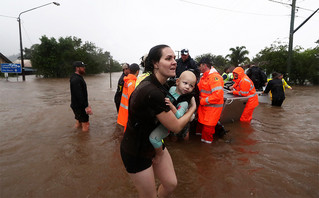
{"x": 273, "y": 58}
{"x": 54, "y": 58}
{"x": 218, "y": 61}
{"x": 305, "y": 63}
{"x": 306, "y": 67}
{"x": 238, "y": 55}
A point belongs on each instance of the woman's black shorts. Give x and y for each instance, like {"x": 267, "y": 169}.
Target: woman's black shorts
{"x": 135, "y": 164}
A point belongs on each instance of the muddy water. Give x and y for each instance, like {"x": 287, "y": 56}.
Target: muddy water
{"x": 41, "y": 155}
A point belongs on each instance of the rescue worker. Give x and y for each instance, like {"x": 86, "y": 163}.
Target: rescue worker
{"x": 118, "y": 93}
{"x": 245, "y": 87}
{"x": 128, "y": 88}
{"x": 211, "y": 96}
{"x": 225, "y": 74}
{"x": 284, "y": 83}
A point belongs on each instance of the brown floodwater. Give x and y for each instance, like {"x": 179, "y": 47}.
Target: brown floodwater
{"x": 42, "y": 156}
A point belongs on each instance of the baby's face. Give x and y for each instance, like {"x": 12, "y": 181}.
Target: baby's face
{"x": 185, "y": 84}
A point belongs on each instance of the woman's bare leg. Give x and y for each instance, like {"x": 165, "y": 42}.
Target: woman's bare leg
{"x": 144, "y": 182}
{"x": 164, "y": 171}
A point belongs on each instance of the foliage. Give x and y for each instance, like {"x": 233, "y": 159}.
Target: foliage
{"x": 238, "y": 56}
{"x": 54, "y": 58}
{"x": 273, "y": 58}
{"x": 304, "y": 68}
{"x": 218, "y": 61}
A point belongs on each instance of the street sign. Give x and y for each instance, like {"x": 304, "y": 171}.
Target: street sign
{"x": 11, "y": 68}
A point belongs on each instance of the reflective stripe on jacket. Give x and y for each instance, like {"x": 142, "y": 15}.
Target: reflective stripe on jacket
{"x": 211, "y": 97}
{"x": 128, "y": 88}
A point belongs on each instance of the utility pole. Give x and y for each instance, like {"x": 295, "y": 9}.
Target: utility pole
{"x": 291, "y": 36}
{"x": 110, "y": 63}
{"x": 292, "y": 31}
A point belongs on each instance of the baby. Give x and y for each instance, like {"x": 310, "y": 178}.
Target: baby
{"x": 185, "y": 84}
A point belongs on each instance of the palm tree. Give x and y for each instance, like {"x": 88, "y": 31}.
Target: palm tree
{"x": 238, "y": 55}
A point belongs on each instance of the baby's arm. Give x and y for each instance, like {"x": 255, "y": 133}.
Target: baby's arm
{"x": 181, "y": 109}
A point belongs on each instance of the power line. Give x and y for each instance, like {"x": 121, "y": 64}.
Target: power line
{"x": 229, "y": 10}
{"x": 290, "y": 5}
{"x": 7, "y": 16}
{"x": 27, "y": 34}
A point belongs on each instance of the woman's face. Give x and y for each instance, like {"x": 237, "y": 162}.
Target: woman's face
{"x": 166, "y": 66}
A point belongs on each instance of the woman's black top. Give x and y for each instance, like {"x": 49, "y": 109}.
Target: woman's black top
{"x": 146, "y": 101}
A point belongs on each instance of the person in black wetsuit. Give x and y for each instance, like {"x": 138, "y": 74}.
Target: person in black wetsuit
{"x": 79, "y": 97}
{"x": 147, "y": 108}
{"x": 277, "y": 90}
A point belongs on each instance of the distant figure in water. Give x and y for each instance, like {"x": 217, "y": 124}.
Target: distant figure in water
{"x": 277, "y": 90}
{"x": 79, "y": 97}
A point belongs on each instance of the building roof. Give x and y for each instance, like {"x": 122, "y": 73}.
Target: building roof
{"x": 4, "y": 58}
{"x": 27, "y": 62}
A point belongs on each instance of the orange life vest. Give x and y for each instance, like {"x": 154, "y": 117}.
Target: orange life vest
{"x": 211, "y": 87}
{"x": 128, "y": 88}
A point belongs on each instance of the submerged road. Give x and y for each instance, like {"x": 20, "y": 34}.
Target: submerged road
{"x": 41, "y": 155}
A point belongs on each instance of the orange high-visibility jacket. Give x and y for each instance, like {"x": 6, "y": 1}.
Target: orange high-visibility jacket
{"x": 128, "y": 88}
{"x": 245, "y": 87}
{"x": 211, "y": 88}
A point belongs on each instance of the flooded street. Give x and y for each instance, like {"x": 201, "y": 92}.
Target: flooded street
{"x": 42, "y": 156}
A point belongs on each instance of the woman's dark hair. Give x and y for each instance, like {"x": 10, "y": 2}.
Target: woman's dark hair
{"x": 154, "y": 56}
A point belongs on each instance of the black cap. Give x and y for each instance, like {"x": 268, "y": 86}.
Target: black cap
{"x": 184, "y": 52}
{"x": 78, "y": 64}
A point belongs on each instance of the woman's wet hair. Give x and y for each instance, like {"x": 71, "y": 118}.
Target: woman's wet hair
{"x": 154, "y": 56}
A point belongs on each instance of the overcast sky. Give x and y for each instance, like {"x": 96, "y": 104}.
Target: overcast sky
{"x": 129, "y": 28}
